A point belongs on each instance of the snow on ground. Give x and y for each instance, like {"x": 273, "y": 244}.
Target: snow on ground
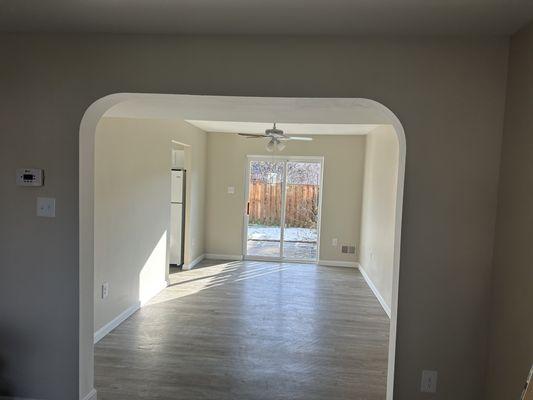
{"x": 262, "y": 232}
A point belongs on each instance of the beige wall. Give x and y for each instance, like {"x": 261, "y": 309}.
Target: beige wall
{"x": 132, "y": 208}
{"x": 342, "y": 195}
{"x": 379, "y": 210}
{"x": 511, "y": 346}
{"x": 448, "y": 93}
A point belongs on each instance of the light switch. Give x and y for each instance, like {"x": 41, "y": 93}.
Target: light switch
{"x": 231, "y": 189}
{"x": 46, "y": 207}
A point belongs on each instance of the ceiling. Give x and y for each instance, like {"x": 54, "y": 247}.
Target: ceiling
{"x": 270, "y": 17}
{"x": 288, "y": 128}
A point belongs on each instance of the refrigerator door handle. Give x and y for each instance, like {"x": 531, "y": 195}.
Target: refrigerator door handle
{"x": 248, "y": 208}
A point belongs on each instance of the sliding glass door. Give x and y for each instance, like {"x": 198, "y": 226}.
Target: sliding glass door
{"x": 264, "y": 208}
{"x": 282, "y": 216}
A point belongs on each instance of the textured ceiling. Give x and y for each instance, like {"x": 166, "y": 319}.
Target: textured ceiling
{"x": 274, "y": 17}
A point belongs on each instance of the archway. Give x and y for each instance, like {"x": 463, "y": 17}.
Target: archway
{"x": 217, "y": 108}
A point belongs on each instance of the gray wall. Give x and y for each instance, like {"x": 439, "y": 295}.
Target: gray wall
{"x": 448, "y": 93}
{"x": 511, "y": 347}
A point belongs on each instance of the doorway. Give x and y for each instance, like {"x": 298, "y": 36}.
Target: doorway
{"x": 216, "y": 108}
{"x": 282, "y": 208}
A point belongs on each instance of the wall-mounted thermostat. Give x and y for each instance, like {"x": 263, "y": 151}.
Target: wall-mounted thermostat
{"x": 30, "y": 177}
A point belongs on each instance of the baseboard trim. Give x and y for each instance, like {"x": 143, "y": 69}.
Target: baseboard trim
{"x": 231, "y": 257}
{"x": 375, "y": 290}
{"x": 193, "y": 263}
{"x": 90, "y": 396}
{"x": 104, "y": 330}
{"x": 331, "y": 263}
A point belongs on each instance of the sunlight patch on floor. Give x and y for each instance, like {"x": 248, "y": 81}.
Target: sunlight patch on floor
{"x": 186, "y": 283}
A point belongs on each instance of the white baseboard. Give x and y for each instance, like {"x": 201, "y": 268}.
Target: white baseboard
{"x": 193, "y": 263}
{"x": 90, "y": 396}
{"x": 104, "y": 330}
{"x": 375, "y": 290}
{"x": 231, "y": 257}
{"x": 331, "y": 263}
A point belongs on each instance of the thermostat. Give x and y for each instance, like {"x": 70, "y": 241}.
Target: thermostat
{"x": 30, "y": 177}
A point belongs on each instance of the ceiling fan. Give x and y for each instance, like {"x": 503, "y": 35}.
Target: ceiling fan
{"x": 277, "y": 137}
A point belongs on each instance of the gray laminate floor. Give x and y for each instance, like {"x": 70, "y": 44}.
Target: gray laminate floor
{"x": 251, "y": 331}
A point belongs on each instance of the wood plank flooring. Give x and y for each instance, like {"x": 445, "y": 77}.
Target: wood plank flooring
{"x": 252, "y": 331}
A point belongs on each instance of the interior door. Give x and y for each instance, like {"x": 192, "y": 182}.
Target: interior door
{"x": 264, "y": 230}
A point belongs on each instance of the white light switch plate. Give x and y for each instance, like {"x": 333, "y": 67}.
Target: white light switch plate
{"x": 429, "y": 382}
{"x": 46, "y": 207}
{"x": 231, "y": 189}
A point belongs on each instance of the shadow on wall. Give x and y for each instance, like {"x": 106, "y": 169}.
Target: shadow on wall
{"x": 5, "y": 386}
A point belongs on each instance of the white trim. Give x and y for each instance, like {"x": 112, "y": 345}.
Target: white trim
{"x": 375, "y": 290}
{"x": 332, "y": 263}
{"x": 231, "y": 257}
{"x": 193, "y": 263}
{"x": 104, "y": 330}
{"x": 91, "y": 395}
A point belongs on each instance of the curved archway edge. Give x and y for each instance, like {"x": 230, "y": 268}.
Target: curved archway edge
{"x": 216, "y": 108}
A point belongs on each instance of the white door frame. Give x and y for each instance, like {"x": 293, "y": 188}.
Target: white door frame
{"x": 285, "y": 160}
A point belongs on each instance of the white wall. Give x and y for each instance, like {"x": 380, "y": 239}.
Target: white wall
{"x": 178, "y": 156}
{"x": 342, "y": 190}
{"x": 132, "y": 208}
{"x": 379, "y": 210}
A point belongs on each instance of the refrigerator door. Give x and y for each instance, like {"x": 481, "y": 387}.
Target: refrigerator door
{"x": 176, "y": 187}
{"x": 176, "y": 215}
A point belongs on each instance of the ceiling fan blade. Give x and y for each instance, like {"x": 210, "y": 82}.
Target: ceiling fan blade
{"x": 251, "y": 135}
{"x": 302, "y": 138}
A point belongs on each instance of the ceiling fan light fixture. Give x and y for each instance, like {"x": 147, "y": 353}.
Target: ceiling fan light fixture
{"x": 280, "y": 145}
{"x": 271, "y": 145}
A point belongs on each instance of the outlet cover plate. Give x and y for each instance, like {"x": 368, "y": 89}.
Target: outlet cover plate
{"x": 46, "y": 207}
{"x": 429, "y": 381}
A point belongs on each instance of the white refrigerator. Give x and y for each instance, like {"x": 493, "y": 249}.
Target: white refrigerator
{"x": 177, "y": 216}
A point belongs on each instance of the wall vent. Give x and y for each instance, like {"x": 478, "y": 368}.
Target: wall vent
{"x": 348, "y": 249}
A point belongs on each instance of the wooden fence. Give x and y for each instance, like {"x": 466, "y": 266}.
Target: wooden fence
{"x": 301, "y": 204}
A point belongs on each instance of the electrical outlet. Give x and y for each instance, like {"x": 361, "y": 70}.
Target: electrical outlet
{"x": 334, "y": 242}
{"x": 105, "y": 290}
{"x": 429, "y": 381}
